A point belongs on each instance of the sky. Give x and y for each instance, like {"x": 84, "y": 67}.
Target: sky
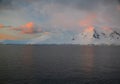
{"x": 31, "y": 16}
{"x": 55, "y": 12}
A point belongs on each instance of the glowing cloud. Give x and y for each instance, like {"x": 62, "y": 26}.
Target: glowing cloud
{"x": 1, "y": 25}
{"x": 89, "y": 29}
{"x": 7, "y": 37}
{"x": 28, "y": 28}
{"x": 88, "y": 21}
{"x": 106, "y": 28}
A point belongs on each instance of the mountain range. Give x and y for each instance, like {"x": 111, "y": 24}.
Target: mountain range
{"x": 90, "y": 35}
{"x": 94, "y": 35}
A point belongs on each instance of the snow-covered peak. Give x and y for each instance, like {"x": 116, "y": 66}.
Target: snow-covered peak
{"x": 94, "y": 35}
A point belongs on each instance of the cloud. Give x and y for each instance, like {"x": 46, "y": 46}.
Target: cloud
{"x": 7, "y": 37}
{"x": 85, "y": 4}
{"x": 28, "y": 28}
{"x": 1, "y": 25}
{"x": 59, "y": 13}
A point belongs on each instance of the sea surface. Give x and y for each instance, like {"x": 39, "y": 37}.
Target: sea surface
{"x": 59, "y": 64}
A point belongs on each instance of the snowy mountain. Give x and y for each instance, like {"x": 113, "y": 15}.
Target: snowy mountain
{"x": 54, "y": 37}
{"x": 57, "y": 37}
{"x": 92, "y": 35}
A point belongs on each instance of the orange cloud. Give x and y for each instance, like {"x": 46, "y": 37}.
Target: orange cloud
{"x": 28, "y": 28}
{"x": 89, "y": 29}
{"x": 7, "y": 37}
{"x": 1, "y": 25}
{"x": 88, "y": 21}
{"x": 107, "y": 28}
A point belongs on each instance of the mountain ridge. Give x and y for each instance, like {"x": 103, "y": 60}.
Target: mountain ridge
{"x": 98, "y": 36}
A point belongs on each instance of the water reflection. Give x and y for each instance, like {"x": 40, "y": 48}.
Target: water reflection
{"x": 88, "y": 59}
{"x": 28, "y": 61}
{"x": 28, "y": 64}
{"x": 27, "y": 55}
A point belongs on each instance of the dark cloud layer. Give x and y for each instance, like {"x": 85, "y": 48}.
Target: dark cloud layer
{"x": 119, "y": 1}
{"x": 70, "y": 10}
{"x": 5, "y": 4}
{"x": 85, "y": 4}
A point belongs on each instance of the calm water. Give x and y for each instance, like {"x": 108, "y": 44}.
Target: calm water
{"x": 51, "y": 64}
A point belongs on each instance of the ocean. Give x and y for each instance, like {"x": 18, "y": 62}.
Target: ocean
{"x": 59, "y": 64}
